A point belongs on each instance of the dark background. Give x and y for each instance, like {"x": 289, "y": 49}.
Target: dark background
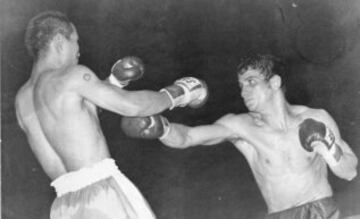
{"x": 201, "y": 38}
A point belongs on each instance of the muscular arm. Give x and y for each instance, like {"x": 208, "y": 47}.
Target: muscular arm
{"x": 129, "y": 103}
{"x": 181, "y": 136}
{"x": 346, "y": 168}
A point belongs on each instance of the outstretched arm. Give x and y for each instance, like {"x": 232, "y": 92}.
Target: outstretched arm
{"x": 181, "y": 136}
{"x": 177, "y": 135}
{"x": 188, "y": 91}
{"x": 105, "y": 95}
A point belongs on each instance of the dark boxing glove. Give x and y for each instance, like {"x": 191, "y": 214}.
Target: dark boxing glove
{"x": 311, "y": 131}
{"x": 127, "y": 69}
{"x": 150, "y": 127}
{"x": 187, "y": 91}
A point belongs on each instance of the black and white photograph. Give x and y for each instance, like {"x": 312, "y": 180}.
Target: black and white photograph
{"x": 192, "y": 109}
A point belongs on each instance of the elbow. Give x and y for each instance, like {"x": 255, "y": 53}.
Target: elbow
{"x": 351, "y": 175}
{"x": 354, "y": 172}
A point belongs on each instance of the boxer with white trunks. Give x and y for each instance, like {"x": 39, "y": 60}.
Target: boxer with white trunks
{"x": 56, "y": 108}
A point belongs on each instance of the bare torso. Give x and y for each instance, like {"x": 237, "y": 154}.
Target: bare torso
{"x": 62, "y": 127}
{"x": 286, "y": 174}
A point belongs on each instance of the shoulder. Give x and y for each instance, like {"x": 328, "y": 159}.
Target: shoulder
{"x": 21, "y": 94}
{"x": 231, "y": 119}
{"x": 78, "y": 71}
{"x": 78, "y": 74}
{"x": 314, "y": 112}
{"x": 226, "y": 118}
{"x": 22, "y": 103}
{"x": 317, "y": 114}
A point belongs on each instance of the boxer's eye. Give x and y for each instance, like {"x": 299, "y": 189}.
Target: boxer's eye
{"x": 252, "y": 82}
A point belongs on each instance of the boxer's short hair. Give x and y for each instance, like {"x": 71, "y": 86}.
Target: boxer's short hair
{"x": 42, "y": 28}
{"x": 267, "y": 64}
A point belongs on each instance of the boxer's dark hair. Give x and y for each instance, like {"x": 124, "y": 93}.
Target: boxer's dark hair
{"x": 42, "y": 28}
{"x": 267, "y": 64}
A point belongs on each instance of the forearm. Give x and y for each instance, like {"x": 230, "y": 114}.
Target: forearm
{"x": 177, "y": 137}
{"x": 181, "y": 136}
{"x": 187, "y": 91}
{"x": 346, "y": 167}
{"x": 149, "y": 102}
{"x": 326, "y": 140}
{"x": 132, "y": 103}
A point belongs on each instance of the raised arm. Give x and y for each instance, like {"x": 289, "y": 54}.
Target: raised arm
{"x": 324, "y": 137}
{"x": 128, "y": 103}
{"x": 105, "y": 95}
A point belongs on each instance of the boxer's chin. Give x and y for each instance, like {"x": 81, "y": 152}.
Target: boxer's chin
{"x": 250, "y": 105}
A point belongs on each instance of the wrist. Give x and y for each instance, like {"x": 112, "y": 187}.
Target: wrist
{"x": 166, "y": 128}
{"x": 333, "y": 155}
{"x": 114, "y": 81}
{"x": 336, "y": 152}
{"x": 176, "y": 94}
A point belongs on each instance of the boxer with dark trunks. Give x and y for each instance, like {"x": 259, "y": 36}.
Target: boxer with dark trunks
{"x": 289, "y": 148}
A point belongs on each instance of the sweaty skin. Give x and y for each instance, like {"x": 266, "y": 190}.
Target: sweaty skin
{"x": 267, "y": 136}
{"x": 63, "y": 127}
{"x": 56, "y": 108}
{"x": 286, "y": 174}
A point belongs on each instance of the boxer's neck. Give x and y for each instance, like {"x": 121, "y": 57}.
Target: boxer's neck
{"x": 277, "y": 114}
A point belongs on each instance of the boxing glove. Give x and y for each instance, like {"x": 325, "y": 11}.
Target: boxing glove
{"x": 187, "y": 91}
{"x": 127, "y": 69}
{"x": 150, "y": 127}
{"x": 312, "y": 132}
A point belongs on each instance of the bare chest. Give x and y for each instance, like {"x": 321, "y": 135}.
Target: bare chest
{"x": 279, "y": 152}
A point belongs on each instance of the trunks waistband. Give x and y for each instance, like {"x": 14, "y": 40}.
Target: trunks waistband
{"x": 76, "y": 180}
{"x": 328, "y": 199}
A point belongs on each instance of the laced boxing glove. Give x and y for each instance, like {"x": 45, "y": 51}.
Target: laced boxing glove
{"x": 150, "y": 127}
{"x": 312, "y": 132}
{"x": 187, "y": 91}
{"x": 127, "y": 69}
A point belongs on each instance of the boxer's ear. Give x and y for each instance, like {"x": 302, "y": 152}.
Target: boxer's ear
{"x": 275, "y": 82}
{"x": 58, "y": 42}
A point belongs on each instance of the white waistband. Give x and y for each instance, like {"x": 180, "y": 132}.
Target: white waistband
{"x": 73, "y": 181}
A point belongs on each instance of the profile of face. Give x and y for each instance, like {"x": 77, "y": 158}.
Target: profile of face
{"x": 255, "y": 89}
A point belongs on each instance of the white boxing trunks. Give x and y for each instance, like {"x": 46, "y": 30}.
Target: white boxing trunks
{"x": 100, "y": 191}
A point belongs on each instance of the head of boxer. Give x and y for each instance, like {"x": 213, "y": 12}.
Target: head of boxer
{"x": 260, "y": 77}
{"x": 52, "y": 32}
